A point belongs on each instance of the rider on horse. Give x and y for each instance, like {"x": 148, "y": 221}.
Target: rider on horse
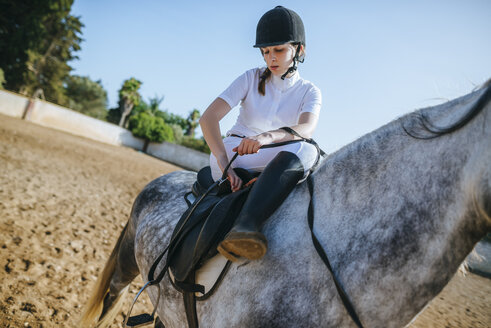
{"x": 273, "y": 101}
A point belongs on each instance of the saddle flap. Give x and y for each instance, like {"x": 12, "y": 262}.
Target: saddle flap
{"x": 203, "y": 231}
{"x": 218, "y": 224}
{"x": 201, "y": 211}
{"x": 207, "y": 225}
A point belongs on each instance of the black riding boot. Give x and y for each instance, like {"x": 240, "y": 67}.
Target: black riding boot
{"x": 270, "y": 190}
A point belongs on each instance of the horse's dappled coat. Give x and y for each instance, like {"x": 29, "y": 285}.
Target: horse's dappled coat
{"x": 396, "y": 216}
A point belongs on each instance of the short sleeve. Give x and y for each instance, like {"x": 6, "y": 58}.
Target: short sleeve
{"x": 312, "y": 101}
{"x": 237, "y": 91}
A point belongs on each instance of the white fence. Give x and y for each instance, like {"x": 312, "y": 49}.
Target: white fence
{"x": 12, "y": 104}
{"x": 61, "y": 118}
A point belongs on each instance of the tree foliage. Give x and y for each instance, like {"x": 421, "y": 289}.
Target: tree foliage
{"x": 192, "y": 122}
{"x": 178, "y": 133}
{"x": 151, "y": 128}
{"x": 153, "y": 106}
{"x": 197, "y": 144}
{"x": 2, "y": 79}
{"x": 37, "y": 40}
{"x": 114, "y": 115}
{"x": 86, "y": 96}
{"x": 171, "y": 118}
{"x": 129, "y": 97}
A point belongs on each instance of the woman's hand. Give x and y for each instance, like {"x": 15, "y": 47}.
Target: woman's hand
{"x": 235, "y": 181}
{"x": 251, "y": 145}
{"x": 232, "y": 177}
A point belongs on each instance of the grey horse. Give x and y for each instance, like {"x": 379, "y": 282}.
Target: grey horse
{"x": 396, "y": 212}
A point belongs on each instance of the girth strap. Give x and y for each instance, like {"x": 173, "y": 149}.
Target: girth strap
{"x": 190, "y": 305}
{"x": 186, "y": 287}
{"x": 318, "y": 247}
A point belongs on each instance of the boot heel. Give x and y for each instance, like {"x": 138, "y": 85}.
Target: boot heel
{"x": 229, "y": 256}
{"x": 251, "y": 245}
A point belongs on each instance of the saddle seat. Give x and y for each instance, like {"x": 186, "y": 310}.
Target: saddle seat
{"x": 203, "y": 181}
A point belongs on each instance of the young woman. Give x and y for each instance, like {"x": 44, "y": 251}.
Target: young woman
{"x": 271, "y": 98}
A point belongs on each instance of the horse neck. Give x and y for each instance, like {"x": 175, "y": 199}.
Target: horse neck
{"x": 390, "y": 205}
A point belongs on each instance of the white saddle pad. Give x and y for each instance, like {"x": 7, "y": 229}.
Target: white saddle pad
{"x": 208, "y": 274}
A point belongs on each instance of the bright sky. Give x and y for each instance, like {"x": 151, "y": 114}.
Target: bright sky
{"x": 373, "y": 60}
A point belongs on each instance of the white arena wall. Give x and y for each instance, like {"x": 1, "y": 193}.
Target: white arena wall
{"x": 64, "y": 119}
{"x": 12, "y": 104}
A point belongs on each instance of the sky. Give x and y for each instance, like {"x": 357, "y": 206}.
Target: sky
{"x": 373, "y": 60}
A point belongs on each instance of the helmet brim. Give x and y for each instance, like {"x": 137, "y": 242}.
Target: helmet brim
{"x": 270, "y": 44}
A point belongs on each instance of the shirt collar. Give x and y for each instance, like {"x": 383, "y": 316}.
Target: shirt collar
{"x": 285, "y": 84}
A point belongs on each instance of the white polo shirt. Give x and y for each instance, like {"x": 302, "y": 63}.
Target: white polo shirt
{"x": 282, "y": 104}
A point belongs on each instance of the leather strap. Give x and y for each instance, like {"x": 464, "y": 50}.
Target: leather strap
{"x": 320, "y": 152}
{"x": 186, "y": 287}
{"x": 217, "y": 283}
{"x": 190, "y": 305}
{"x": 318, "y": 247}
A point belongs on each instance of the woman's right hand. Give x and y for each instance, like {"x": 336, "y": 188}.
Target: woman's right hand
{"x": 233, "y": 178}
{"x": 235, "y": 181}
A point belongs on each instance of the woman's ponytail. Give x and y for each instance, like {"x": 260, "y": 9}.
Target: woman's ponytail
{"x": 262, "y": 81}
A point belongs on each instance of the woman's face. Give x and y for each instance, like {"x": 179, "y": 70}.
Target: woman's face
{"x": 279, "y": 58}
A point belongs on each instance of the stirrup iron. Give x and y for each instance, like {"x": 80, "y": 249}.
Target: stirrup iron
{"x": 144, "y": 319}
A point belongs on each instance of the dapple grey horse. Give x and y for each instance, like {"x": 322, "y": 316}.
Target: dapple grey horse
{"x": 396, "y": 212}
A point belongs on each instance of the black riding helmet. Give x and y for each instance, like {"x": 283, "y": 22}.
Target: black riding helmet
{"x": 278, "y": 26}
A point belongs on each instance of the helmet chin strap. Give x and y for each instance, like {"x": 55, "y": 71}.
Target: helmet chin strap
{"x": 293, "y": 68}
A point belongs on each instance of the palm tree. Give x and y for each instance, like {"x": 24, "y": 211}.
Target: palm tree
{"x": 193, "y": 121}
{"x": 154, "y": 104}
{"x": 130, "y": 97}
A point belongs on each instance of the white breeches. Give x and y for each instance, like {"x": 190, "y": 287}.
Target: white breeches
{"x": 307, "y": 153}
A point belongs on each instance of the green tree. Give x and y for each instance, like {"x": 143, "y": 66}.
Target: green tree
{"x": 129, "y": 97}
{"x": 178, "y": 133}
{"x": 37, "y": 40}
{"x": 197, "y": 144}
{"x": 114, "y": 114}
{"x": 151, "y": 128}
{"x": 192, "y": 122}
{"x": 86, "y": 96}
{"x": 171, "y": 118}
{"x": 21, "y": 29}
{"x": 154, "y": 104}
{"x": 2, "y": 79}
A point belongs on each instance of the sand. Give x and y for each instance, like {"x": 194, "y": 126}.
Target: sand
{"x": 63, "y": 203}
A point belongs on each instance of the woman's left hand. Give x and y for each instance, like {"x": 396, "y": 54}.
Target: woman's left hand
{"x": 251, "y": 145}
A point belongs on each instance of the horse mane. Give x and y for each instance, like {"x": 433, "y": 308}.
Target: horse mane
{"x": 416, "y": 124}
{"x": 432, "y": 131}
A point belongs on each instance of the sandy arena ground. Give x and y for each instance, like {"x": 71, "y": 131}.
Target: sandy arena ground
{"x": 63, "y": 203}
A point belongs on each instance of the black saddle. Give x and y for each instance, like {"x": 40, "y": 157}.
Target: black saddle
{"x": 208, "y": 224}
{"x": 199, "y": 231}
{"x": 201, "y": 228}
